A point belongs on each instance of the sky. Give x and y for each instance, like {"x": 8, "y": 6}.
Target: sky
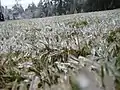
{"x": 10, "y": 3}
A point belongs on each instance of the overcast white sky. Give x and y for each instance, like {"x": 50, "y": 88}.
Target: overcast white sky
{"x": 24, "y": 3}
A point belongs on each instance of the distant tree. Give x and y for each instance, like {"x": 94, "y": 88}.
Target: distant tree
{"x": 32, "y": 8}
{"x": 40, "y": 4}
{"x": 50, "y": 8}
{"x": 45, "y": 9}
{"x": 68, "y": 6}
{"x": 74, "y": 5}
{"x": 10, "y": 14}
{"x": 6, "y": 13}
{"x": 1, "y": 16}
{"x": 60, "y": 6}
{"x": 28, "y": 13}
{"x": 98, "y": 5}
{"x": 39, "y": 13}
{"x": 54, "y": 7}
{"x": 17, "y": 10}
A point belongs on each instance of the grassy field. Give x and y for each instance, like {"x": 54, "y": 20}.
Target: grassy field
{"x": 53, "y": 53}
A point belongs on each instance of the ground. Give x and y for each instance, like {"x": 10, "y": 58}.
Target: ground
{"x": 47, "y": 49}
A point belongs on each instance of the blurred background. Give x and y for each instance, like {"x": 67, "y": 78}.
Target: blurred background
{"x": 27, "y": 9}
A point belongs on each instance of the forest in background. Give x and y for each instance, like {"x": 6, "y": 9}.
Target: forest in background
{"x": 57, "y": 7}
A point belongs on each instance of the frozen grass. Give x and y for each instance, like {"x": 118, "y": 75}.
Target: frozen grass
{"x": 53, "y": 52}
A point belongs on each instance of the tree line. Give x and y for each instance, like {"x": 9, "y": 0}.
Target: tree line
{"x": 58, "y": 7}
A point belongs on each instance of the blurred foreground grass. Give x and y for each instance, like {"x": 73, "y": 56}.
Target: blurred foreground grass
{"x": 48, "y": 67}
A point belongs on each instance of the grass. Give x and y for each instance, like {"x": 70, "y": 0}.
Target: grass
{"x": 17, "y": 68}
{"x": 49, "y": 55}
